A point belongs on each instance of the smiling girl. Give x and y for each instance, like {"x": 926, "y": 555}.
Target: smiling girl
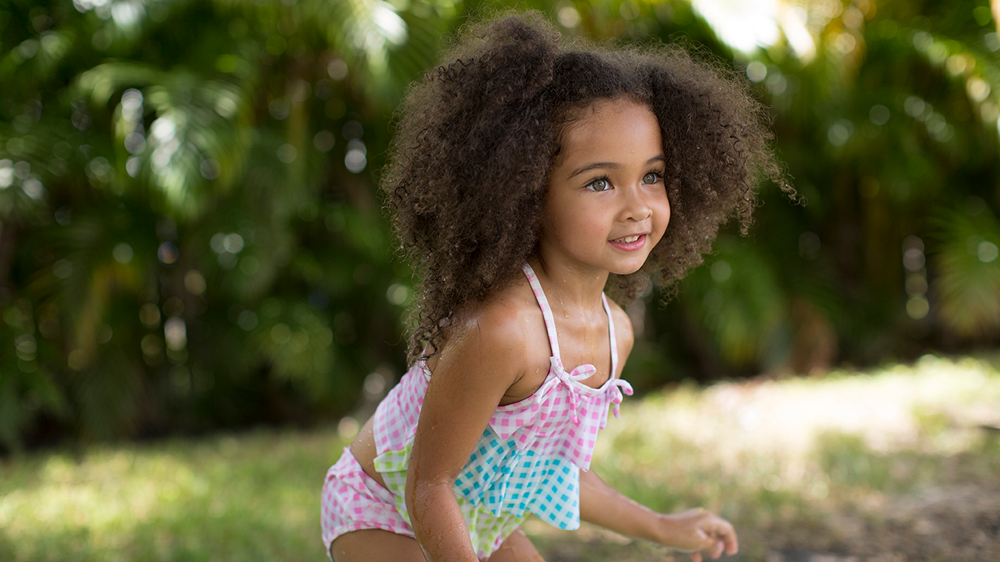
{"x": 526, "y": 178}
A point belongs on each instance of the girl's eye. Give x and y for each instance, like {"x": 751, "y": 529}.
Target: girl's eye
{"x": 651, "y": 177}
{"x": 600, "y": 184}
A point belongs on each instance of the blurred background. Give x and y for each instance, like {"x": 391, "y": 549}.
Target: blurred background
{"x": 191, "y": 237}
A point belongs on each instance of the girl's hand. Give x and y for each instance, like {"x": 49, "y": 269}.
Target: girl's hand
{"x": 698, "y": 530}
{"x": 693, "y": 531}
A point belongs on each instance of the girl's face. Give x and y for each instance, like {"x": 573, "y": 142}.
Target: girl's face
{"x": 606, "y": 204}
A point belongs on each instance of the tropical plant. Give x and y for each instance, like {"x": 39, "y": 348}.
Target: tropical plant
{"x": 190, "y": 236}
{"x": 886, "y": 114}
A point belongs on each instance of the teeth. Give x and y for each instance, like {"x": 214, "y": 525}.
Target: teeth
{"x": 628, "y": 239}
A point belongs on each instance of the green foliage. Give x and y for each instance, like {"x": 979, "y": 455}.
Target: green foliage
{"x": 190, "y": 237}
{"x": 887, "y": 122}
{"x": 969, "y": 282}
{"x": 740, "y": 302}
{"x": 189, "y": 233}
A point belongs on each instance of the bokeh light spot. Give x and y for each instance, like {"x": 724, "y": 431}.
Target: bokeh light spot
{"x": 247, "y": 320}
{"x": 568, "y": 17}
{"x": 122, "y": 253}
{"x": 175, "y": 332}
{"x": 987, "y": 251}
{"x": 149, "y": 315}
{"x": 194, "y": 282}
{"x": 324, "y": 141}
{"x": 840, "y": 132}
{"x": 287, "y": 153}
{"x": 397, "y": 293}
{"x": 167, "y": 253}
{"x": 721, "y": 271}
{"x": 62, "y": 269}
{"x": 879, "y": 114}
{"x": 209, "y": 169}
{"x": 337, "y": 69}
{"x": 756, "y": 71}
{"x": 917, "y": 307}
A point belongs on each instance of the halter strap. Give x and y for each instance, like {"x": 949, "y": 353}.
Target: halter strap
{"x": 550, "y": 323}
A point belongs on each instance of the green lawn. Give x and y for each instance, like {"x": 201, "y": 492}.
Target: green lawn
{"x": 799, "y": 465}
{"x": 243, "y": 497}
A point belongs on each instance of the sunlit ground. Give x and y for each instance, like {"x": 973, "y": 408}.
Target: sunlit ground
{"x": 246, "y": 497}
{"x": 890, "y": 465}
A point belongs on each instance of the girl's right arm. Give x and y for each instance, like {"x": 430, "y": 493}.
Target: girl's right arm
{"x": 483, "y": 357}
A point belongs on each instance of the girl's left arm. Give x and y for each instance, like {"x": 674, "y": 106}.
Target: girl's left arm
{"x": 694, "y": 530}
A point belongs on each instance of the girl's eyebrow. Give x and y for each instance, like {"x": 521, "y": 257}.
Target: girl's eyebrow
{"x": 612, "y": 165}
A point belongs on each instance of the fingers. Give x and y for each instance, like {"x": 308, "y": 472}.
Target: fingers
{"x": 702, "y": 534}
{"x": 718, "y": 537}
{"x": 714, "y": 552}
{"x": 727, "y": 536}
{"x": 732, "y": 543}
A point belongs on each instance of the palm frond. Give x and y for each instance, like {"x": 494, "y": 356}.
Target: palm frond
{"x": 738, "y": 297}
{"x": 200, "y": 130}
{"x": 968, "y": 282}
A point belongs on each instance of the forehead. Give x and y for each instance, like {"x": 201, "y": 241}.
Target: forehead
{"x": 610, "y": 128}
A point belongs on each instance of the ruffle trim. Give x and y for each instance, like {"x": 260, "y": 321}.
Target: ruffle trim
{"x": 504, "y": 480}
{"x": 541, "y": 416}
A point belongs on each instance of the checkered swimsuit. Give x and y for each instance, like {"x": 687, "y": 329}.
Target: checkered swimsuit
{"x": 529, "y": 457}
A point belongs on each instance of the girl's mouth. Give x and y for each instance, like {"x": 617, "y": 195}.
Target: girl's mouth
{"x": 629, "y": 243}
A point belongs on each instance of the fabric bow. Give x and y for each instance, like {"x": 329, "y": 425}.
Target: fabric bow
{"x": 581, "y": 373}
{"x": 619, "y": 386}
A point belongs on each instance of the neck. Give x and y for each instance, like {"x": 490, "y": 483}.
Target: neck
{"x": 569, "y": 284}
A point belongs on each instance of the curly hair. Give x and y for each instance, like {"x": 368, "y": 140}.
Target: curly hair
{"x": 469, "y": 164}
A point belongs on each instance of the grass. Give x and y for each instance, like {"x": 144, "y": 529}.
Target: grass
{"x": 246, "y": 497}
{"x": 797, "y": 464}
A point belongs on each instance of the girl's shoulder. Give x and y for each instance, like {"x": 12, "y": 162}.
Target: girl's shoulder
{"x": 507, "y": 325}
{"x": 624, "y": 334}
{"x": 512, "y": 318}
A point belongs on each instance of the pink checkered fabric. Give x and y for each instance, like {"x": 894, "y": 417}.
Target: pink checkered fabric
{"x": 353, "y": 501}
{"x": 562, "y": 418}
{"x": 529, "y": 457}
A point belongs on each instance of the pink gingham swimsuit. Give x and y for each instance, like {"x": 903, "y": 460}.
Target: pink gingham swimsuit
{"x": 527, "y": 461}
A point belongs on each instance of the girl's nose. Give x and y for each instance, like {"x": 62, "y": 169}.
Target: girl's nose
{"x": 636, "y": 207}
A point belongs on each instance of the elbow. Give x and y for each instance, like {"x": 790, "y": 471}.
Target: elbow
{"x": 411, "y": 498}
{"x": 413, "y": 492}
{"x": 421, "y": 495}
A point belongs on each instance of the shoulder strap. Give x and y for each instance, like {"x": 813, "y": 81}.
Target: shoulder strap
{"x": 543, "y": 303}
{"x": 611, "y": 336}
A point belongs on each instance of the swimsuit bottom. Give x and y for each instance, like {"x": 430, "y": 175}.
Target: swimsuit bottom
{"x": 353, "y": 501}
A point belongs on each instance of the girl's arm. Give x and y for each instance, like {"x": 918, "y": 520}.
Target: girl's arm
{"x": 694, "y": 530}
{"x": 482, "y": 359}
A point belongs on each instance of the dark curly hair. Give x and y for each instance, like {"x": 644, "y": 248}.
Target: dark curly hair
{"x": 469, "y": 165}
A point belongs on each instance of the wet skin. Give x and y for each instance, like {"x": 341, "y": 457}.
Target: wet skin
{"x": 604, "y": 211}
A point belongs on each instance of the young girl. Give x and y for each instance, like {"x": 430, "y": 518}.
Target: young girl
{"x": 526, "y": 177}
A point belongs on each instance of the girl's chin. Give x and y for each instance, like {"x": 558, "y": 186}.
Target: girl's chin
{"x": 627, "y": 269}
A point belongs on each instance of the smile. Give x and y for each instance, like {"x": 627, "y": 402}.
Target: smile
{"x": 629, "y": 243}
{"x": 627, "y": 239}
